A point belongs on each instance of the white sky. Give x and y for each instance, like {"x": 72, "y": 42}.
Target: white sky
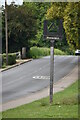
{"x": 19, "y": 2}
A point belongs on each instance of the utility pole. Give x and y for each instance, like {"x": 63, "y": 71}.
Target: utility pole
{"x": 6, "y": 32}
{"x": 51, "y": 70}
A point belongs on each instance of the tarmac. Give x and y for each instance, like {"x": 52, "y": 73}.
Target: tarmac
{"x": 57, "y": 87}
{"x": 18, "y": 62}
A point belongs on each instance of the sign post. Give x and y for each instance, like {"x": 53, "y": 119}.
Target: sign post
{"x": 51, "y": 70}
{"x": 50, "y": 34}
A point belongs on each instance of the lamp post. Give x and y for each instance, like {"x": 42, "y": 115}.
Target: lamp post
{"x": 6, "y": 32}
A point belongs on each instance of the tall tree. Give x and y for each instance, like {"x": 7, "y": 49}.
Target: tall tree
{"x": 21, "y": 26}
{"x": 71, "y": 24}
{"x": 69, "y": 13}
{"x": 41, "y": 9}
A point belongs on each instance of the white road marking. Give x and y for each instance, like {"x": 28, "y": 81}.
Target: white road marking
{"x": 41, "y": 77}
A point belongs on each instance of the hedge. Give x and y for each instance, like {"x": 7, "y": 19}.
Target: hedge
{"x": 11, "y": 59}
{"x": 36, "y": 52}
{"x": 59, "y": 52}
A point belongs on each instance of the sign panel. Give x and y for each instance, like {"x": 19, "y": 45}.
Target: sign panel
{"x": 53, "y": 29}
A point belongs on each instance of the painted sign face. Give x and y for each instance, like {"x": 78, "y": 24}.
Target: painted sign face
{"x": 53, "y": 29}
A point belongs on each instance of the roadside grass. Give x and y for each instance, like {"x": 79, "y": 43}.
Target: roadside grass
{"x": 38, "y": 52}
{"x": 65, "y": 105}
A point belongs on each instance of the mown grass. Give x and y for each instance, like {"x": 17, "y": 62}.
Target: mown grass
{"x": 37, "y": 52}
{"x": 65, "y": 105}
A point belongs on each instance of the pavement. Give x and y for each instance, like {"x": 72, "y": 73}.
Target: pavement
{"x": 27, "y": 87}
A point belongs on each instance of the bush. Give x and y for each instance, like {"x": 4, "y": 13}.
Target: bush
{"x": 11, "y": 59}
{"x": 59, "y": 52}
{"x": 36, "y": 52}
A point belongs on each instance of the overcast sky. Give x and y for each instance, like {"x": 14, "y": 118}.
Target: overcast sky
{"x": 19, "y": 2}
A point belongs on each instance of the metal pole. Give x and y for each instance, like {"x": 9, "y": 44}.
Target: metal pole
{"x": 51, "y": 70}
{"x": 6, "y": 34}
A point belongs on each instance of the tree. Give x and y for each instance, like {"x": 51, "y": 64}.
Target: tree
{"x": 69, "y": 13}
{"x": 71, "y": 24}
{"x": 41, "y": 9}
{"x": 21, "y": 26}
{"x": 56, "y": 10}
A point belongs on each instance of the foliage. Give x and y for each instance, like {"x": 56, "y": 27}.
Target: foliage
{"x": 69, "y": 12}
{"x": 59, "y": 52}
{"x": 26, "y": 30}
{"x": 11, "y": 59}
{"x": 65, "y": 105}
{"x": 41, "y": 11}
{"x": 22, "y": 23}
{"x": 36, "y": 52}
{"x": 56, "y": 10}
{"x": 71, "y": 24}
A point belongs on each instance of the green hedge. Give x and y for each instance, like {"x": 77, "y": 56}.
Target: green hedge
{"x": 59, "y": 52}
{"x": 11, "y": 59}
{"x": 37, "y": 52}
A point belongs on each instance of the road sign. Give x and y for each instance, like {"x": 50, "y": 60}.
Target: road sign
{"x": 53, "y": 29}
{"x": 52, "y": 32}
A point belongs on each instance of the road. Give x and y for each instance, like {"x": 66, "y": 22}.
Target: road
{"x": 34, "y": 76}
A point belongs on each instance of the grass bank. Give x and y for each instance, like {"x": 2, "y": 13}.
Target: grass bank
{"x": 37, "y": 52}
{"x": 65, "y": 105}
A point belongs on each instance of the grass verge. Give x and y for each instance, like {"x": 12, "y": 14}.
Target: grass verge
{"x": 65, "y": 105}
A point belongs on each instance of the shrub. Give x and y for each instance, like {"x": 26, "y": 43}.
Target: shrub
{"x": 11, "y": 59}
{"x": 36, "y": 52}
{"x": 59, "y": 52}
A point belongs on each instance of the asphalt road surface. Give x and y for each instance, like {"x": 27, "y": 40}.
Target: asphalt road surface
{"x": 34, "y": 76}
